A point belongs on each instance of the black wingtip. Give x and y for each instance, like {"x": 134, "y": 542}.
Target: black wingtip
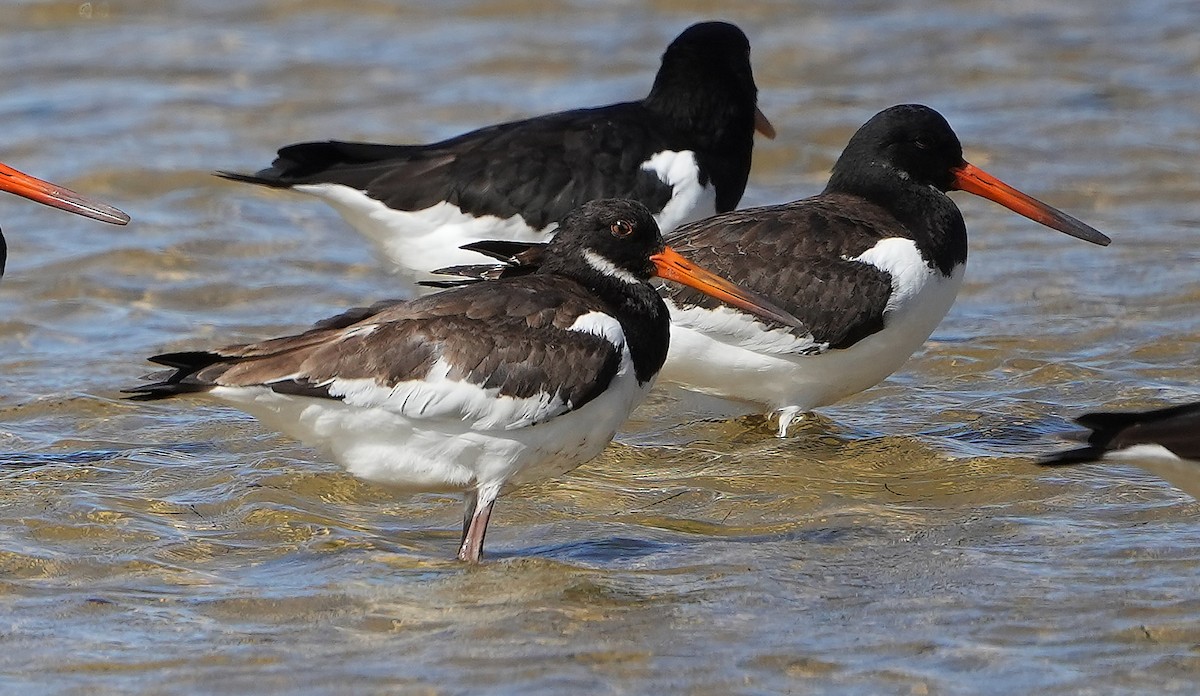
{"x": 162, "y": 390}
{"x": 189, "y": 360}
{"x": 179, "y": 379}
{"x": 447, "y": 284}
{"x": 265, "y": 177}
{"x": 501, "y": 249}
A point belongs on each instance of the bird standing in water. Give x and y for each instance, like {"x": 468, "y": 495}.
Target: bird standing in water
{"x": 479, "y": 388}
{"x": 869, "y": 266}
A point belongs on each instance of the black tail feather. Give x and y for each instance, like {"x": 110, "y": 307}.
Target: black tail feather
{"x": 517, "y": 259}
{"x": 329, "y": 161}
{"x": 501, "y": 249}
{"x": 448, "y": 284}
{"x": 189, "y": 360}
{"x": 177, "y": 380}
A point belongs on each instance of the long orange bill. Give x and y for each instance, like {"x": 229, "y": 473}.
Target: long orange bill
{"x": 57, "y": 196}
{"x": 671, "y": 266}
{"x": 762, "y": 125}
{"x": 972, "y": 179}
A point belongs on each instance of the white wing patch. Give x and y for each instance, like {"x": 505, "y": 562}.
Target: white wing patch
{"x": 439, "y": 434}
{"x": 690, "y": 200}
{"x": 437, "y": 396}
{"x": 733, "y": 326}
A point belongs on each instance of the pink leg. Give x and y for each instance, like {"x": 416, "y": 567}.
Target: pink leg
{"x": 475, "y": 521}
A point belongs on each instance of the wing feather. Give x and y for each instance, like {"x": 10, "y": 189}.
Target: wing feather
{"x": 495, "y": 355}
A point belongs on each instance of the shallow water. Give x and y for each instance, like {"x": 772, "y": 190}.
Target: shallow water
{"x": 902, "y": 542}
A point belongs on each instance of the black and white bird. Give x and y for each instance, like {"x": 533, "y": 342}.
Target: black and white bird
{"x": 1165, "y": 442}
{"x": 60, "y": 197}
{"x": 869, "y": 266}
{"x": 684, "y": 151}
{"x": 479, "y": 388}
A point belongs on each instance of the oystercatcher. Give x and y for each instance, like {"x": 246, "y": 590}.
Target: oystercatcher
{"x": 684, "y": 151}
{"x": 54, "y": 195}
{"x": 479, "y": 388}
{"x": 869, "y": 266}
{"x": 1164, "y": 442}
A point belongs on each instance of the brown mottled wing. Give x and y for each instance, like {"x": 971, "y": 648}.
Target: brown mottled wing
{"x": 797, "y": 254}
{"x": 509, "y": 338}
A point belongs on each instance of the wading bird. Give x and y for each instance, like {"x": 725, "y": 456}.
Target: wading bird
{"x": 479, "y": 388}
{"x": 869, "y": 266}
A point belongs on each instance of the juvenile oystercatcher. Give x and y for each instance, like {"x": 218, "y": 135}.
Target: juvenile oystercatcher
{"x": 869, "y": 266}
{"x": 479, "y": 388}
{"x": 54, "y": 195}
{"x": 1164, "y": 442}
{"x": 684, "y": 151}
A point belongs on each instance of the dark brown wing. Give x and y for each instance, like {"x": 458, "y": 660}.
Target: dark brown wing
{"x": 503, "y": 340}
{"x": 798, "y": 255}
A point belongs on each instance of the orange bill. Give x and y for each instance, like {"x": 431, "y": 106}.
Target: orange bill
{"x": 670, "y": 265}
{"x": 762, "y": 125}
{"x": 972, "y": 179}
{"x": 57, "y": 196}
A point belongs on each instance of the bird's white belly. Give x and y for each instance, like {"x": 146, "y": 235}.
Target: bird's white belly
{"x": 767, "y": 367}
{"x": 419, "y": 241}
{"x": 384, "y": 446}
{"x": 1184, "y": 474}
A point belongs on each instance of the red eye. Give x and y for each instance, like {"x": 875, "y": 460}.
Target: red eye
{"x": 622, "y": 228}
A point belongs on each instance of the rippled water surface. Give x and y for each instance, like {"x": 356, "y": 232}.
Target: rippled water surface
{"x": 902, "y": 542}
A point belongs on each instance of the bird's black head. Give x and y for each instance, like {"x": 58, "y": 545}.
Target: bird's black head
{"x": 909, "y": 142}
{"x": 706, "y": 82}
{"x": 709, "y": 49}
{"x": 614, "y": 247}
{"x": 611, "y": 239}
{"x": 902, "y": 151}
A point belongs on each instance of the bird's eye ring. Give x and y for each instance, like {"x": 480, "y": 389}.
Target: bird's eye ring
{"x": 622, "y": 228}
